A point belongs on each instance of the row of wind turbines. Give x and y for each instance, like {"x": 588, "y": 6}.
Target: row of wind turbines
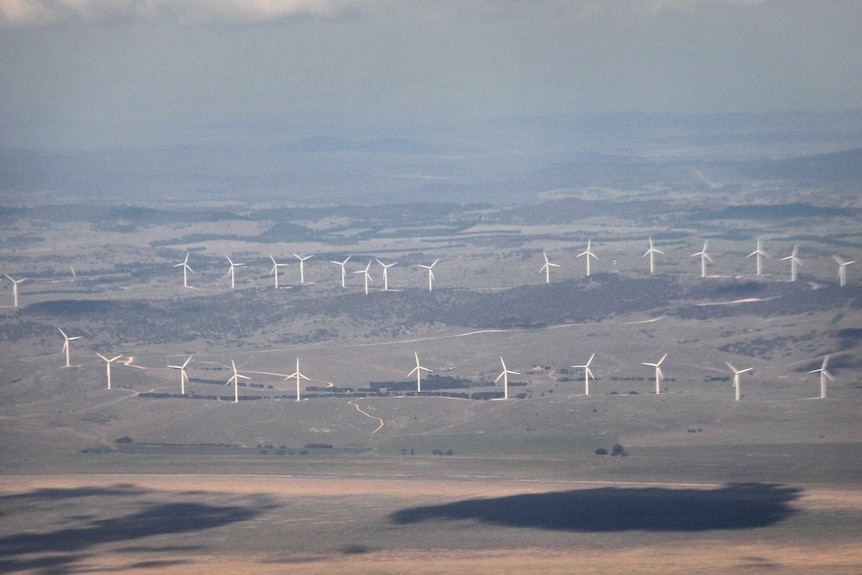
{"x": 759, "y": 254}
{"x": 588, "y": 254}
{"x": 274, "y": 271}
{"x": 419, "y": 369}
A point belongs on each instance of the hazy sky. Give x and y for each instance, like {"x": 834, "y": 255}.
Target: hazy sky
{"x": 101, "y": 72}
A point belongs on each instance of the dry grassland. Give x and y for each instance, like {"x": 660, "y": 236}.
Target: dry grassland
{"x": 334, "y": 526}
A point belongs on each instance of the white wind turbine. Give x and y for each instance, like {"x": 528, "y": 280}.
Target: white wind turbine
{"x": 589, "y": 253}
{"x": 759, "y": 254}
{"x": 842, "y": 272}
{"x": 651, "y": 253}
{"x": 367, "y": 275}
{"x": 183, "y": 264}
{"x": 587, "y": 374}
{"x": 794, "y": 261}
{"x": 343, "y": 270}
{"x": 22, "y": 280}
{"x": 430, "y": 273}
{"x": 184, "y": 377}
{"x": 736, "y": 374}
{"x": 824, "y": 375}
{"x": 235, "y": 380}
{"x": 108, "y": 363}
{"x": 505, "y": 375}
{"x": 659, "y": 374}
{"x": 274, "y": 270}
{"x": 298, "y": 375}
{"x": 66, "y": 341}
{"x": 302, "y": 266}
{"x": 547, "y": 268}
{"x": 418, "y": 371}
{"x": 386, "y": 273}
{"x": 232, "y": 271}
{"x": 704, "y": 257}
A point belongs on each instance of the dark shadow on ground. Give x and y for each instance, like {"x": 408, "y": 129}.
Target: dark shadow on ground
{"x": 736, "y": 506}
{"x": 57, "y": 550}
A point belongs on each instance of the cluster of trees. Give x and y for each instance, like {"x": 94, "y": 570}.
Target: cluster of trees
{"x": 616, "y": 451}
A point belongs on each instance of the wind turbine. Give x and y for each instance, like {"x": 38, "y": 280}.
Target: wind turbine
{"x": 183, "y": 264}
{"x": 505, "y": 375}
{"x": 760, "y": 254}
{"x": 842, "y": 273}
{"x": 22, "y": 280}
{"x": 418, "y": 371}
{"x": 298, "y": 375}
{"x": 547, "y": 268}
{"x": 587, "y": 374}
{"x": 232, "y": 271}
{"x": 824, "y": 375}
{"x": 302, "y": 266}
{"x": 235, "y": 379}
{"x": 589, "y": 253}
{"x": 651, "y": 253}
{"x": 108, "y": 363}
{"x": 659, "y": 375}
{"x": 430, "y": 273}
{"x": 343, "y": 270}
{"x": 736, "y": 374}
{"x": 704, "y": 257}
{"x": 274, "y": 270}
{"x": 386, "y": 273}
{"x": 66, "y": 341}
{"x": 794, "y": 261}
{"x": 367, "y": 275}
{"x": 183, "y": 375}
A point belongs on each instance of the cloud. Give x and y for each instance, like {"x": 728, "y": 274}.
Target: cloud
{"x": 39, "y": 13}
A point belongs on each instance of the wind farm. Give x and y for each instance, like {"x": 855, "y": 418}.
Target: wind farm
{"x": 648, "y": 386}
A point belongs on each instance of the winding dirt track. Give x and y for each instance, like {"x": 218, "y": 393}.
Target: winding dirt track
{"x": 366, "y": 414}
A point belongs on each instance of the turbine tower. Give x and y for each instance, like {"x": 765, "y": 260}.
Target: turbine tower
{"x": 183, "y": 375}
{"x": 367, "y": 275}
{"x": 547, "y": 268}
{"x": 108, "y": 363}
{"x": 22, "y": 280}
{"x": 651, "y": 252}
{"x": 659, "y": 375}
{"x": 505, "y": 375}
{"x": 232, "y": 271}
{"x": 842, "y": 273}
{"x": 824, "y": 375}
{"x": 302, "y": 266}
{"x": 704, "y": 257}
{"x": 386, "y": 273}
{"x": 298, "y": 375}
{"x": 274, "y": 270}
{"x": 736, "y": 374}
{"x": 794, "y": 261}
{"x": 589, "y": 253}
{"x": 587, "y": 374}
{"x": 235, "y": 380}
{"x": 418, "y": 371}
{"x": 183, "y": 264}
{"x": 430, "y": 273}
{"x": 66, "y": 341}
{"x": 343, "y": 270}
{"x": 759, "y": 255}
